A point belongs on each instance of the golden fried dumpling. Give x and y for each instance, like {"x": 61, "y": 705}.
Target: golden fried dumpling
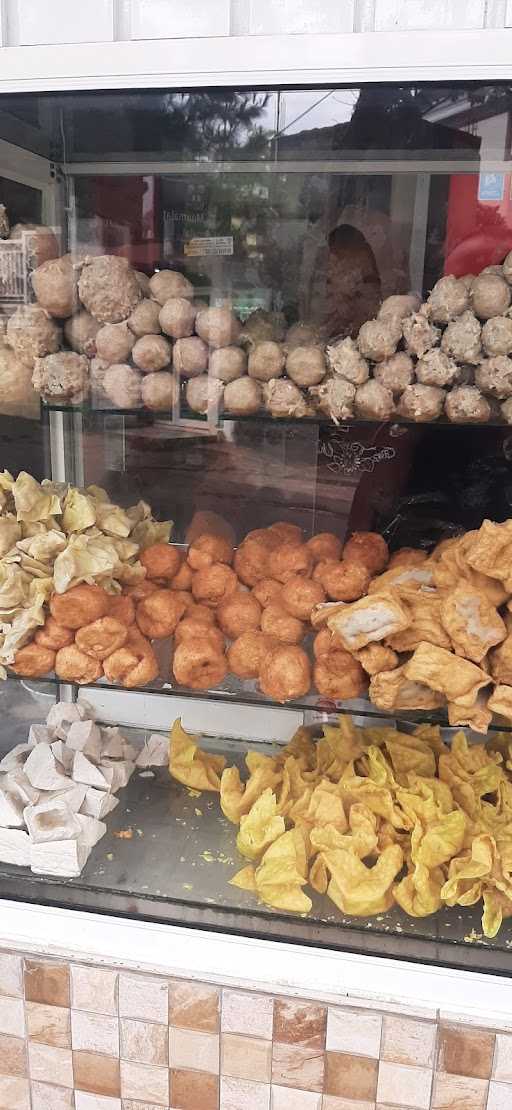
{"x": 425, "y": 609}
{"x": 450, "y": 564}
{"x": 373, "y": 618}
{"x": 490, "y": 550}
{"x": 458, "y": 679}
{"x": 394, "y": 690}
{"x": 473, "y": 624}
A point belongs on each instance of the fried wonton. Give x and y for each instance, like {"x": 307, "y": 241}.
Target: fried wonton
{"x": 473, "y": 624}
{"x": 369, "y": 620}
{"x": 191, "y": 766}
{"x": 448, "y": 674}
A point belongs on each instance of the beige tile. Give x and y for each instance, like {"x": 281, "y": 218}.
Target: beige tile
{"x": 47, "y": 1097}
{"x": 298, "y": 1022}
{"x": 503, "y": 1058}
{"x": 94, "y": 989}
{"x": 349, "y": 1076}
{"x": 194, "y": 1090}
{"x": 358, "y": 1033}
{"x": 189, "y": 1049}
{"x": 295, "y": 1066}
{"x": 14, "y": 1093}
{"x": 242, "y": 1011}
{"x": 97, "y": 1074}
{"x": 13, "y": 1055}
{"x": 144, "y": 1082}
{"x": 50, "y": 1063}
{"x": 11, "y": 975}
{"x": 404, "y": 1086}
{"x": 143, "y": 998}
{"x": 144, "y": 1042}
{"x": 499, "y": 1097}
{"x": 465, "y": 1051}
{"x": 286, "y": 1098}
{"x": 246, "y": 1057}
{"x": 12, "y": 1017}
{"x": 134, "y": 1104}
{"x": 194, "y": 1006}
{"x": 238, "y": 1093}
{"x": 47, "y": 982}
{"x": 405, "y": 1041}
{"x": 95, "y": 1033}
{"x": 48, "y": 1024}
{"x": 459, "y": 1092}
{"x": 333, "y": 1102}
{"x": 427, "y": 1013}
{"x": 85, "y": 1101}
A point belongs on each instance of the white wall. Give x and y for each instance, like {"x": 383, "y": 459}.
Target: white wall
{"x": 38, "y": 22}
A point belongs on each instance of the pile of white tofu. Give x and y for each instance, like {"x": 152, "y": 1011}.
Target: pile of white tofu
{"x": 56, "y": 789}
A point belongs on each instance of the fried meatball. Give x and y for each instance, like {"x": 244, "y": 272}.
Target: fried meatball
{"x": 347, "y": 580}
{"x": 288, "y": 560}
{"x": 407, "y": 557}
{"x": 141, "y": 589}
{"x": 285, "y": 673}
{"x": 239, "y": 613}
{"x": 160, "y": 391}
{"x": 276, "y": 621}
{"x": 208, "y": 549}
{"x": 80, "y": 605}
{"x": 228, "y": 363}
{"x": 243, "y": 397}
{"x": 177, "y": 317}
{"x": 419, "y": 334}
{"x": 299, "y": 596}
{"x": 219, "y": 327}
{"x": 108, "y": 288}
{"x": 248, "y": 652}
{"x": 376, "y": 658}
{"x": 497, "y": 336}
{"x": 134, "y": 665}
{"x": 144, "y": 318}
{"x": 102, "y": 637}
{"x": 324, "y": 642}
{"x": 200, "y": 613}
{"x": 435, "y": 368}
{"x": 251, "y": 562}
{"x": 190, "y": 629}
{"x": 190, "y": 357}
{"x": 347, "y": 362}
{"x": 33, "y": 661}
{"x": 266, "y": 361}
{"x": 161, "y": 560}
{"x": 338, "y": 676}
{"x": 151, "y": 353}
{"x": 54, "y": 636}
{"x": 395, "y": 373}
{"x": 368, "y": 548}
{"x": 122, "y": 609}
{"x": 114, "y": 343}
{"x": 267, "y": 590}
{"x": 322, "y": 566}
{"x": 462, "y": 339}
{"x": 287, "y": 533}
{"x": 373, "y": 401}
{"x": 305, "y": 366}
{"x": 183, "y": 579}
{"x": 494, "y": 376}
{"x": 325, "y": 545}
{"x": 158, "y": 614}
{"x": 73, "y": 665}
{"x": 204, "y": 393}
{"x": 166, "y": 284}
{"x": 199, "y": 665}
{"x": 378, "y": 339}
{"x": 214, "y": 584}
{"x": 466, "y": 405}
{"x": 421, "y": 403}
{"x": 448, "y": 299}
{"x": 265, "y": 536}
{"x": 490, "y": 296}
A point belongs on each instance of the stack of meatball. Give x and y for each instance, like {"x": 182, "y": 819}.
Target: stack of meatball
{"x": 246, "y": 612}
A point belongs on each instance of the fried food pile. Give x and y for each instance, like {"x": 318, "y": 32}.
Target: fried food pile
{"x": 371, "y": 817}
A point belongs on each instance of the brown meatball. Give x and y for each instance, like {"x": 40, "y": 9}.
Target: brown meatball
{"x": 267, "y": 590}
{"x": 368, "y": 548}
{"x": 324, "y": 546}
{"x": 102, "y": 637}
{"x": 339, "y": 676}
{"x": 276, "y": 621}
{"x": 251, "y": 562}
{"x": 208, "y": 549}
{"x": 345, "y": 581}
{"x": 53, "y": 635}
{"x": 33, "y": 661}
{"x": 239, "y": 613}
{"x": 158, "y": 614}
{"x": 288, "y": 560}
{"x": 285, "y": 673}
{"x": 300, "y": 595}
{"x": 80, "y": 605}
{"x": 161, "y": 560}
{"x": 248, "y": 652}
{"x": 214, "y": 584}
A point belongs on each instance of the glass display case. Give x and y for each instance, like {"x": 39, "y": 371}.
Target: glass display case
{"x": 255, "y": 512}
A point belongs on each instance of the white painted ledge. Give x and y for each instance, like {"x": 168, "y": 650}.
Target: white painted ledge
{"x": 334, "y": 977}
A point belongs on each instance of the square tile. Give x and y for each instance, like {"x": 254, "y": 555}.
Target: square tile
{"x": 286, "y": 1098}
{"x": 243, "y": 1011}
{"x": 95, "y": 1033}
{"x": 238, "y": 1093}
{"x": 13, "y": 1055}
{"x": 144, "y": 1042}
{"x": 503, "y": 1058}
{"x": 47, "y": 982}
{"x": 190, "y": 1049}
{"x": 143, "y": 998}
{"x": 144, "y": 1082}
{"x": 194, "y": 1090}
{"x": 404, "y": 1086}
{"x": 356, "y": 1032}
{"x": 499, "y": 1096}
{"x": 459, "y": 1092}
{"x": 99, "y": 1075}
{"x": 333, "y": 1102}
{"x": 48, "y": 1024}
{"x": 11, "y": 975}
{"x": 295, "y": 1066}
{"x": 194, "y": 1006}
{"x": 94, "y": 989}
{"x": 297, "y": 1022}
{"x": 246, "y": 1057}
{"x": 14, "y": 1093}
{"x": 465, "y": 1051}
{"x": 50, "y": 1063}
{"x": 12, "y": 1017}
{"x": 405, "y": 1041}
{"x": 351, "y": 1076}
{"x": 47, "y": 1097}
{"x": 84, "y": 1101}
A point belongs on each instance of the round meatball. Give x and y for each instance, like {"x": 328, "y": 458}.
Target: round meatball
{"x": 243, "y": 397}
{"x": 288, "y": 560}
{"x": 190, "y": 357}
{"x": 161, "y": 560}
{"x": 214, "y": 584}
{"x": 32, "y": 333}
{"x": 299, "y": 596}
{"x": 399, "y": 305}
{"x": 345, "y": 359}
{"x": 448, "y": 299}
{"x": 144, "y": 319}
{"x": 286, "y": 532}
{"x": 324, "y": 545}
{"x": 152, "y": 352}
{"x": 461, "y": 339}
{"x": 209, "y": 548}
{"x": 435, "y": 368}
{"x": 73, "y": 665}
{"x": 219, "y": 327}
{"x": 367, "y": 548}
{"x": 158, "y": 614}
{"x": 161, "y": 391}
{"x": 62, "y": 377}
{"x": 55, "y": 286}
{"x": 267, "y": 590}
{"x": 395, "y": 373}
{"x": 285, "y": 673}
{"x": 101, "y": 637}
{"x": 419, "y": 334}
{"x": 108, "y": 288}
{"x": 199, "y": 665}
{"x": 266, "y": 361}
{"x": 334, "y": 397}
{"x": 284, "y": 399}
{"x": 251, "y": 562}
{"x": 114, "y": 343}
{"x": 248, "y": 652}
{"x": 239, "y": 613}
{"x": 305, "y": 366}
{"x": 79, "y": 606}
{"x": 54, "y": 636}
{"x": 277, "y": 621}
{"x": 421, "y": 403}
{"x": 466, "y": 405}
{"x": 123, "y": 386}
{"x": 497, "y": 336}
{"x": 494, "y": 376}
{"x": 167, "y": 284}
{"x": 177, "y": 317}
{"x": 338, "y": 676}
{"x": 373, "y": 401}
{"x": 80, "y": 333}
{"x": 379, "y": 339}
{"x": 33, "y": 661}
{"x": 204, "y": 393}
{"x": 262, "y": 325}
{"x": 490, "y": 296}
{"x": 345, "y": 581}
{"x": 228, "y": 363}
{"x": 143, "y": 281}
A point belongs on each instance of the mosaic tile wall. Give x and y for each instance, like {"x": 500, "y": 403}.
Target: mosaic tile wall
{"x": 77, "y": 1037}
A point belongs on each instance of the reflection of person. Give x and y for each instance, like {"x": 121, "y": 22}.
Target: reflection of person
{"x": 353, "y": 290}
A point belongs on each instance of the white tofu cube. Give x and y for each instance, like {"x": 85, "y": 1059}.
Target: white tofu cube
{"x": 41, "y": 769}
{"x": 63, "y": 754}
{"x": 112, "y": 743}
{"x": 15, "y": 758}
{"x": 63, "y": 714}
{"x": 155, "y": 752}
{"x": 11, "y": 809}
{"x": 117, "y": 773}
{"x": 17, "y": 783}
{"x": 73, "y": 795}
{"x": 97, "y": 803}
{"x": 15, "y": 847}
{"x": 63, "y": 858}
{"x": 40, "y": 734}
{"x": 84, "y": 771}
{"x": 51, "y": 821}
{"x": 85, "y": 736}
{"x": 91, "y": 829}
